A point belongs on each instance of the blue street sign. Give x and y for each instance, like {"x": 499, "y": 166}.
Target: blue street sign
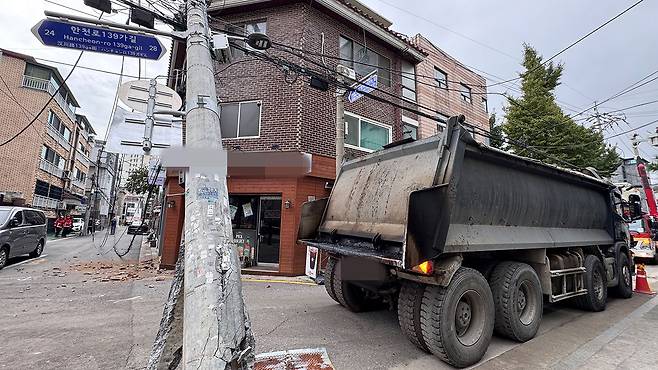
{"x": 80, "y": 36}
{"x": 367, "y": 85}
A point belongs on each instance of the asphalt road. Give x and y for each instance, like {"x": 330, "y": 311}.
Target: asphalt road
{"x": 55, "y": 314}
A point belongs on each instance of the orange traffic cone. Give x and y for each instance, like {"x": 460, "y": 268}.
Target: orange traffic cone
{"x": 641, "y": 283}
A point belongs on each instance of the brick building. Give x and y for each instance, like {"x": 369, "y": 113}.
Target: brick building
{"x": 46, "y": 166}
{"x": 267, "y": 114}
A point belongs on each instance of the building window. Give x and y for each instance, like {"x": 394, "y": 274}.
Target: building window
{"x": 83, "y": 149}
{"x": 441, "y": 126}
{"x": 441, "y": 78}
{"x": 246, "y": 28}
{"x": 408, "y": 81}
{"x": 364, "y": 61}
{"x": 368, "y": 135}
{"x": 241, "y": 119}
{"x": 37, "y": 72}
{"x": 485, "y": 105}
{"x": 59, "y": 126}
{"x": 52, "y": 157}
{"x": 409, "y": 128}
{"x": 465, "y": 93}
{"x": 79, "y": 175}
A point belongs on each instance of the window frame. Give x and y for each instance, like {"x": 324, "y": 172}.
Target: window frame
{"x": 441, "y": 82}
{"x": 465, "y": 98}
{"x": 485, "y": 104}
{"x": 259, "y": 102}
{"x": 403, "y": 76}
{"x": 411, "y": 122}
{"x": 443, "y": 125}
{"x": 371, "y": 121}
{"x": 384, "y": 81}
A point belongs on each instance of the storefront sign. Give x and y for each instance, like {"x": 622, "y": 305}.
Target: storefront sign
{"x": 312, "y": 262}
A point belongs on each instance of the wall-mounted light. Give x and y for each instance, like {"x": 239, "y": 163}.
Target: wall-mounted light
{"x": 171, "y": 204}
{"x": 287, "y": 204}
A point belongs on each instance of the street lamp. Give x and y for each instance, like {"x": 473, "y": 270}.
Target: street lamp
{"x": 259, "y": 41}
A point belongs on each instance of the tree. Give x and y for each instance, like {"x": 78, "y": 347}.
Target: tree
{"x": 496, "y": 139}
{"x": 537, "y": 128}
{"x": 137, "y": 182}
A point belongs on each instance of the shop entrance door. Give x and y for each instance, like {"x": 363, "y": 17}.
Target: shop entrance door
{"x": 269, "y": 229}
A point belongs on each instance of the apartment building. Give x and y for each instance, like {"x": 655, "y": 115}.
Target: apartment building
{"x": 100, "y": 187}
{"x": 267, "y": 115}
{"x": 47, "y": 163}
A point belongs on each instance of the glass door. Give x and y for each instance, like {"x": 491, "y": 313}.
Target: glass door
{"x": 269, "y": 229}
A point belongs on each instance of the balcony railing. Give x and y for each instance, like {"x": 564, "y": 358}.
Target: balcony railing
{"x": 51, "y": 168}
{"x": 58, "y": 137}
{"x": 83, "y": 159}
{"x": 79, "y": 184}
{"x": 45, "y": 85}
{"x": 44, "y": 202}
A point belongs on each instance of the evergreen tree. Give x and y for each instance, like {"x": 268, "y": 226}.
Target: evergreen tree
{"x": 534, "y": 120}
{"x": 496, "y": 132}
{"x": 137, "y": 182}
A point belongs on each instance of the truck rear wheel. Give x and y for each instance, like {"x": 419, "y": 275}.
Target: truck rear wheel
{"x": 329, "y": 278}
{"x": 625, "y": 287}
{"x": 517, "y": 299}
{"x": 409, "y": 303}
{"x": 596, "y": 284}
{"x": 457, "y": 321}
{"x": 350, "y": 295}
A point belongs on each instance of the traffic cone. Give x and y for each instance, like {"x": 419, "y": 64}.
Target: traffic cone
{"x": 641, "y": 283}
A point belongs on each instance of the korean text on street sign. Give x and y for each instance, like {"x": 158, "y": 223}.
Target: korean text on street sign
{"x": 366, "y": 85}
{"x": 85, "y": 37}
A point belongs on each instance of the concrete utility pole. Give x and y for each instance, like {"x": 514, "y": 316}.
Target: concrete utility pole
{"x": 340, "y": 117}
{"x": 216, "y": 327}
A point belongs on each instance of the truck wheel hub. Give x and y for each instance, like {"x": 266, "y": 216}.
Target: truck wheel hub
{"x": 463, "y": 316}
{"x": 521, "y": 301}
{"x": 627, "y": 275}
{"x": 3, "y": 257}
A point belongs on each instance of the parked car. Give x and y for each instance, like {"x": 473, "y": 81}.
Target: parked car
{"x": 78, "y": 224}
{"x": 22, "y": 231}
{"x": 137, "y": 228}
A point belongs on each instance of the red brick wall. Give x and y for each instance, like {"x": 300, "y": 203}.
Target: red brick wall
{"x": 173, "y": 220}
{"x": 294, "y": 115}
{"x": 449, "y": 101}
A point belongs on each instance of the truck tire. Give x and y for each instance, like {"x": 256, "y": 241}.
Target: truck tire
{"x": 518, "y": 300}
{"x": 351, "y": 296}
{"x": 625, "y": 287}
{"x": 329, "y": 278}
{"x": 457, "y": 321}
{"x": 596, "y": 284}
{"x": 409, "y": 303}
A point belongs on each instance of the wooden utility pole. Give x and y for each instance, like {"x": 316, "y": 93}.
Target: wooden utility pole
{"x": 216, "y": 327}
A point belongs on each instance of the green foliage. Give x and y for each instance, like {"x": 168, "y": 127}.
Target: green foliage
{"x": 137, "y": 182}
{"x": 535, "y": 120}
{"x": 496, "y": 133}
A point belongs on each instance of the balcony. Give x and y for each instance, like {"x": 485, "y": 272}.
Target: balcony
{"x": 58, "y": 137}
{"x": 51, "y": 168}
{"x": 79, "y": 184}
{"x": 83, "y": 159}
{"x": 45, "y": 85}
{"x": 44, "y": 202}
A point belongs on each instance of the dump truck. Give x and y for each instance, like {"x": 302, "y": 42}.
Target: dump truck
{"x": 465, "y": 239}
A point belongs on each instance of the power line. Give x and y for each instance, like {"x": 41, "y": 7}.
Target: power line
{"x": 572, "y": 44}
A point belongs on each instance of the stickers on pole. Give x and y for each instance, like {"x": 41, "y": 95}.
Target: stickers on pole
{"x": 135, "y": 94}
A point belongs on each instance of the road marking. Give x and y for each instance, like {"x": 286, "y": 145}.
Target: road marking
{"x": 277, "y": 281}
{"x": 26, "y": 261}
{"x": 127, "y": 299}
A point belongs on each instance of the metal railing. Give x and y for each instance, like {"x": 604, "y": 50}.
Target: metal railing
{"x": 52, "y": 132}
{"x": 44, "y": 202}
{"x": 45, "y": 85}
{"x": 83, "y": 159}
{"x": 79, "y": 184}
{"x": 51, "y": 168}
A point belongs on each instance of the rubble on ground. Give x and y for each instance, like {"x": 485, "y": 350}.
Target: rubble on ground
{"x": 117, "y": 271}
